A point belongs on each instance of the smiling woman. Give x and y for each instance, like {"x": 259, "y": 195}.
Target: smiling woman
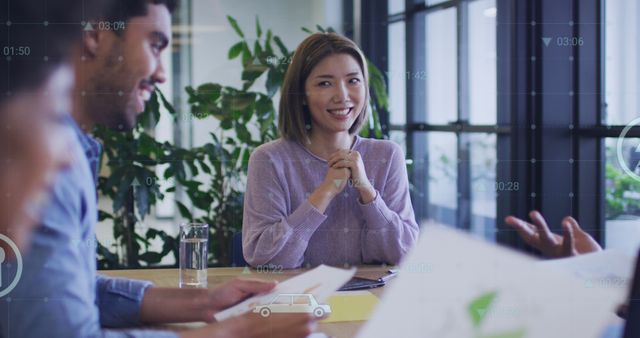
{"x": 321, "y": 194}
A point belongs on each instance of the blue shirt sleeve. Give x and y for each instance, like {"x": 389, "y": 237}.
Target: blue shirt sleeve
{"x": 119, "y": 301}
{"x": 58, "y": 294}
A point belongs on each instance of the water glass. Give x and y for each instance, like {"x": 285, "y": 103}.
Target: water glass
{"x": 194, "y": 239}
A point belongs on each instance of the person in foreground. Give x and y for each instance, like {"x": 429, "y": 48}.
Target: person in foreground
{"x": 321, "y": 194}
{"x": 33, "y": 96}
{"x": 59, "y": 294}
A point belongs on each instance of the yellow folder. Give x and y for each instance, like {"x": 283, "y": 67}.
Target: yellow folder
{"x": 351, "y": 306}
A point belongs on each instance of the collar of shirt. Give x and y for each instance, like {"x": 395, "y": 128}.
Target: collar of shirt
{"x": 92, "y": 148}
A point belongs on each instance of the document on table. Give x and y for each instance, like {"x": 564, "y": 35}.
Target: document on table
{"x": 321, "y": 282}
{"x": 453, "y": 285}
{"x": 351, "y": 306}
{"x": 607, "y": 269}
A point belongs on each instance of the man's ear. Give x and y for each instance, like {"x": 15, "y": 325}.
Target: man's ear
{"x": 90, "y": 41}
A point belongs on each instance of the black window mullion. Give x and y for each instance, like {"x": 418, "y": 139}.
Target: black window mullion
{"x": 551, "y": 127}
{"x": 553, "y": 114}
{"x": 416, "y": 105}
{"x": 375, "y": 43}
{"x": 458, "y": 127}
{"x": 514, "y": 51}
{"x": 589, "y": 102}
{"x": 348, "y": 18}
{"x": 464, "y": 211}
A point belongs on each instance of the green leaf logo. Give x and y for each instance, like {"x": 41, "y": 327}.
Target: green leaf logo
{"x": 479, "y": 307}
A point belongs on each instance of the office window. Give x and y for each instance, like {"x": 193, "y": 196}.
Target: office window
{"x": 484, "y": 187}
{"x": 397, "y": 80}
{"x": 622, "y": 74}
{"x": 622, "y": 80}
{"x": 622, "y": 202}
{"x": 396, "y": 6}
{"x": 482, "y": 62}
{"x": 448, "y": 66}
{"x": 442, "y": 68}
{"x": 442, "y": 159}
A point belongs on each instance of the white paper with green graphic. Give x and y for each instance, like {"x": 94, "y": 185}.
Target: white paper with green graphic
{"x": 607, "y": 269}
{"x": 456, "y": 286}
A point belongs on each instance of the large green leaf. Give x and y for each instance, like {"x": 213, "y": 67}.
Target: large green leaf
{"x": 165, "y": 103}
{"x": 210, "y": 92}
{"x": 253, "y": 71}
{"x": 274, "y": 81}
{"x": 235, "y": 50}
{"x": 243, "y": 133}
{"x": 226, "y": 124}
{"x": 151, "y": 114}
{"x": 258, "y": 28}
{"x": 247, "y": 57}
{"x": 267, "y": 43}
{"x": 257, "y": 50}
{"x": 283, "y": 49}
{"x": 235, "y": 26}
{"x": 151, "y": 257}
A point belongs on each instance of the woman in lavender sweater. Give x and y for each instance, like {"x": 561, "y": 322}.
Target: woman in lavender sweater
{"x": 321, "y": 194}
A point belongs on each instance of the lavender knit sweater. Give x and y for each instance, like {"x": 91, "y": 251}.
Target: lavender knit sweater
{"x": 281, "y": 227}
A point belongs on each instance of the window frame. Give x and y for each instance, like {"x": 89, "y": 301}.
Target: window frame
{"x": 555, "y": 137}
{"x": 414, "y": 17}
{"x": 518, "y": 40}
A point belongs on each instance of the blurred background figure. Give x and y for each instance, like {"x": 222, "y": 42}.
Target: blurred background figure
{"x": 36, "y": 80}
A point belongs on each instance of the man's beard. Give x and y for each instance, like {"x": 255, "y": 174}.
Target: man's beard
{"x": 110, "y": 110}
{"x": 109, "y": 99}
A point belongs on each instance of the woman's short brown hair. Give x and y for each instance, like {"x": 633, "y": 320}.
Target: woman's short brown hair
{"x": 293, "y": 125}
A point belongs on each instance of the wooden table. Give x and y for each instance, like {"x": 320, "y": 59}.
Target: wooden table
{"x": 169, "y": 278}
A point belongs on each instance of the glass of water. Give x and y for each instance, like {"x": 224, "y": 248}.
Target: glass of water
{"x": 193, "y": 255}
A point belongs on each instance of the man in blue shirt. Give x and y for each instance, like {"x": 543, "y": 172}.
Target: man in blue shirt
{"x": 60, "y": 294}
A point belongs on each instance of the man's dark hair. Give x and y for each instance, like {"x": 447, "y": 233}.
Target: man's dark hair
{"x": 36, "y": 37}
{"x": 124, "y": 10}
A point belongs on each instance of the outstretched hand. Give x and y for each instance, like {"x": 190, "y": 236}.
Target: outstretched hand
{"x": 574, "y": 240}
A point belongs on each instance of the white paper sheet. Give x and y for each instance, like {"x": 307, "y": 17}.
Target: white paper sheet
{"x": 455, "y": 286}
{"x": 318, "y": 335}
{"x": 321, "y": 282}
{"x": 608, "y": 269}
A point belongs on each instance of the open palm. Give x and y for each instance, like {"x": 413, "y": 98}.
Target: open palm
{"x": 574, "y": 240}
